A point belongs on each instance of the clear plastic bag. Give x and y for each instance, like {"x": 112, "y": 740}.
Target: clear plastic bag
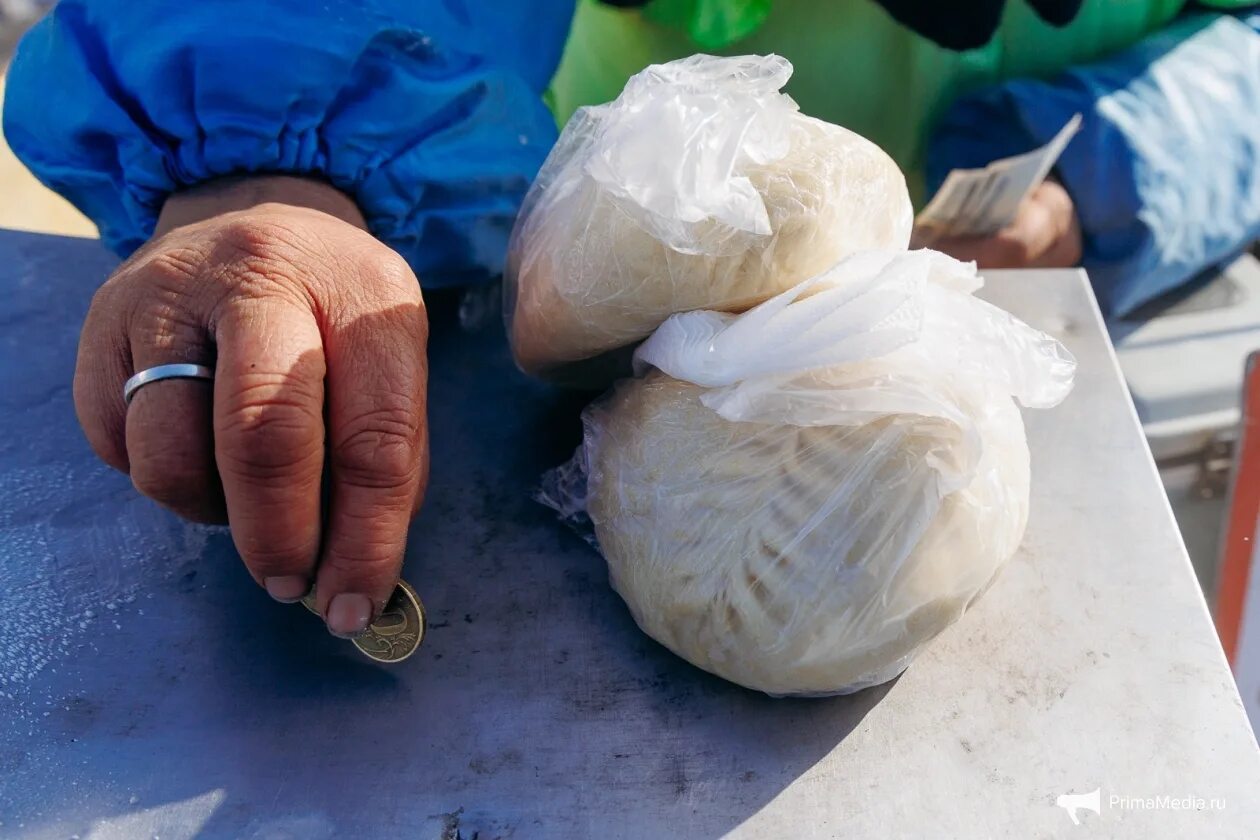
{"x": 700, "y": 187}
{"x": 800, "y": 497}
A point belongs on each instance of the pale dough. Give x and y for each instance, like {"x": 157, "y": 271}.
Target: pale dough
{"x": 799, "y": 561}
{"x": 586, "y": 277}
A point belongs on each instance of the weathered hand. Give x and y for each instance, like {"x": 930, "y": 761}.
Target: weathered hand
{"x": 1045, "y": 234}
{"x": 316, "y": 333}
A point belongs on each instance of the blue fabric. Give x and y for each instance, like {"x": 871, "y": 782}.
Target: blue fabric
{"x": 1165, "y": 172}
{"x": 428, "y": 112}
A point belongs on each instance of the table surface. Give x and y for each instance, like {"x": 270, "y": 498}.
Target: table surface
{"x": 148, "y": 688}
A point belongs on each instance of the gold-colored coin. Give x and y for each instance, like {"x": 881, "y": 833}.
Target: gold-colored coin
{"x": 397, "y": 633}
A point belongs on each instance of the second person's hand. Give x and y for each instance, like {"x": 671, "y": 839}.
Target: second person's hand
{"x": 316, "y": 332}
{"x": 1046, "y": 233}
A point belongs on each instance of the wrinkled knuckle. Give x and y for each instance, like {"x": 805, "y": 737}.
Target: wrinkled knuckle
{"x": 267, "y": 446}
{"x": 166, "y": 288}
{"x": 260, "y": 236}
{"x": 267, "y": 436}
{"x": 381, "y": 451}
{"x": 171, "y": 325}
{"x": 273, "y": 233}
{"x": 265, "y": 256}
{"x": 173, "y": 268}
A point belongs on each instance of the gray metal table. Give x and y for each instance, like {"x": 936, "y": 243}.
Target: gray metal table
{"x": 148, "y": 688}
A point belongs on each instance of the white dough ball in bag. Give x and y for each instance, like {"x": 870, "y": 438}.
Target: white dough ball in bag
{"x": 801, "y": 497}
{"x": 797, "y": 560}
{"x": 700, "y": 187}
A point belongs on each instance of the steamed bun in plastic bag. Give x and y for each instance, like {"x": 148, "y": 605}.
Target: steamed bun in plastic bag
{"x": 799, "y": 498}
{"x": 700, "y": 187}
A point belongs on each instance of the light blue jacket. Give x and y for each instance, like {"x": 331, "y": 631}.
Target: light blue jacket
{"x": 1165, "y": 173}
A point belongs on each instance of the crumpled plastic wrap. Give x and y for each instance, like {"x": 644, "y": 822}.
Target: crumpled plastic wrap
{"x": 799, "y": 498}
{"x": 700, "y": 187}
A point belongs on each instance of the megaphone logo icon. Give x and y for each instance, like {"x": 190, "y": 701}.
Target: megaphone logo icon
{"x": 1074, "y": 802}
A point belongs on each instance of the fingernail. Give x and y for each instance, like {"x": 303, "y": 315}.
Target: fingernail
{"x": 287, "y": 589}
{"x": 349, "y": 614}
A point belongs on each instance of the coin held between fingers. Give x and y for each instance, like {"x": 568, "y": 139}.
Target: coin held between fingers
{"x": 397, "y": 632}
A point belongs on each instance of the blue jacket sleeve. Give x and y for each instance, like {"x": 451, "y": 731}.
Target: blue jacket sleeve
{"x": 1165, "y": 172}
{"x": 428, "y": 112}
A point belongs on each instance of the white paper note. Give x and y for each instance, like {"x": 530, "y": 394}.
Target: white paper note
{"x": 979, "y": 202}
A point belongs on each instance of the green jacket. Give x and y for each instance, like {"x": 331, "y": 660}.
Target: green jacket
{"x": 855, "y": 65}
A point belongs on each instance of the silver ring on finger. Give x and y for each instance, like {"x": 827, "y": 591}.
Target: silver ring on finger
{"x": 156, "y": 374}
